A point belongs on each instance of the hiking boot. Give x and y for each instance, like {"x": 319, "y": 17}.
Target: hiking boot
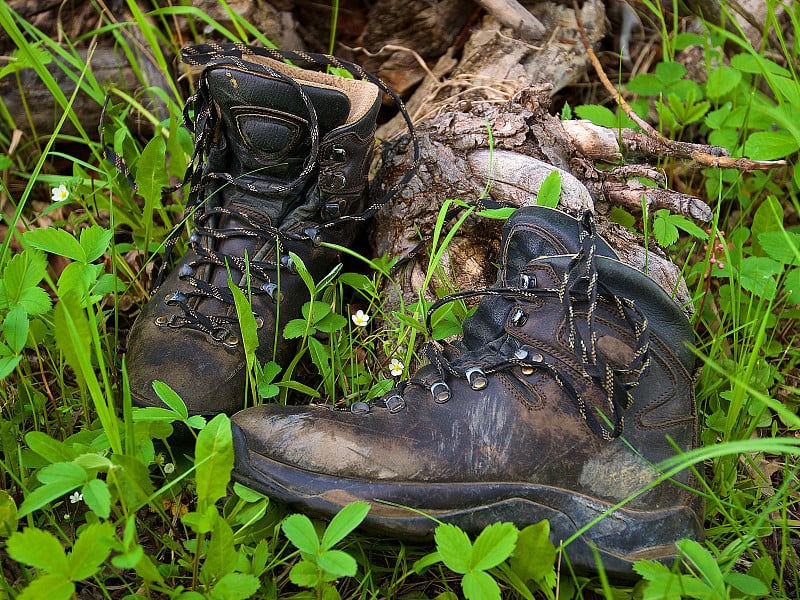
{"x": 280, "y": 165}
{"x": 522, "y": 422}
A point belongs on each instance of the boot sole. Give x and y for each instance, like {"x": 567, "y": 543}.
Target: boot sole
{"x": 620, "y": 538}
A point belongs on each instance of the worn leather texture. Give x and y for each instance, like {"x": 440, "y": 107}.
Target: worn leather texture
{"x": 254, "y": 196}
{"x": 526, "y": 437}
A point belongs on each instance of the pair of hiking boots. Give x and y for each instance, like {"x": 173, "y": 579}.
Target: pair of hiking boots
{"x": 571, "y": 383}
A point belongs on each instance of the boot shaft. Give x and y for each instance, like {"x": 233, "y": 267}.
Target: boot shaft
{"x": 282, "y": 137}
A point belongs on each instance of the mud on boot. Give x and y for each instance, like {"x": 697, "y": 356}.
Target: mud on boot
{"x": 280, "y": 164}
{"x": 572, "y": 383}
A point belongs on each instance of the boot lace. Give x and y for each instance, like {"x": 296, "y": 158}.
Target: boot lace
{"x": 579, "y": 286}
{"x": 201, "y": 118}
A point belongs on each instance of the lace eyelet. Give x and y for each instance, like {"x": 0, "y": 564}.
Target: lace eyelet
{"x": 175, "y": 298}
{"x": 314, "y": 235}
{"x": 332, "y": 209}
{"x": 518, "y": 317}
{"x": 441, "y": 392}
{"x": 186, "y": 271}
{"x": 288, "y": 264}
{"x": 520, "y": 354}
{"x": 527, "y": 370}
{"x": 476, "y": 378}
{"x": 337, "y": 154}
{"x": 394, "y": 404}
{"x": 527, "y": 281}
{"x": 270, "y": 289}
{"x": 161, "y": 321}
{"x": 359, "y": 408}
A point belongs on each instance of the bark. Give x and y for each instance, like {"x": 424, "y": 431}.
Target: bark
{"x": 461, "y": 161}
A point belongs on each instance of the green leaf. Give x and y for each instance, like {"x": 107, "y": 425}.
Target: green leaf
{"x": 52, "y": 587}
{"x": 454, "y": 547}
{"x": 247, "y": 323}
{"x": 213, "y": 461}
{"x": 294, "y": 329}
{"x": 753, "y": 63}
{"x": 35, "y": 300}
{"x": 494, "y": 544}
{"x": 24, "y": 271}
{"x": 151, "y": 174}
{"x": 67, "y": 474}
{"x": 331, "y": 322}
{"x": 132, "y": 480}
{"x": 320, "y": 357}
{"x": 50, "y": 449}
{"x": 299, "y": 530}
{"x": 646, "y": 84}
{"x": 43, "y": 495}
{"x": 55, "y": 241}
{"x": 345, "y": 521}
{"x": 236, "y": 586}
{"x": 8, "y": 514}
{"x": 597, "y": 114}
{"x": 769, "y": 216}
{"x": 747, "y": 584}
{"x": 663, "y": 229}
{"x": 40, "y": 549}
{"x": 426, "y": 561}
{"x": 304, "y": 574}
{"x": 661, "y": 583}
{"x": 757, "y": 275}
{"x": 704, "y": 562}
{"x": 171, "y": 398}
{"x": 75, "y": 348}
{"x": 15, "y": 328}
{"x": 303, "y": 272}
{"x": 94, "y": 241}
{"x": 97, "y": 497}
{"x": 783, "y": 246}
{"x": 670, "y": 71}
{"x": 357, "y": 281}
{"x": 300, "y": 387}
{"x": 91, "y": 549}
{"x": 8, "y": 364}
{"x": 246, "y": 494}
{"x": 550, "y": 190}
{"x": 337, "y": 564}
{"x": 479, "y": 585}
{"x": 201, "y": 522}
{"x": 332, "y": 274}
{"x": 722, "y": 80}
{"x": 791, "y": 283}
{"x": 534, "y": 555}
{"x": 221, "y": 555}
{"x": 770, "y": 145}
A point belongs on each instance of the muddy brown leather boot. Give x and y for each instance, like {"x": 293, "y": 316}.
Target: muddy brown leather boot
{"x": 572, "y": 384}
{"x": 281, "y": 163}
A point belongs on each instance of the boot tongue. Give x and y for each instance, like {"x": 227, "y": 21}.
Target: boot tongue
{"x": 530, "y": 233}
{"x": 266, "y": 126}
{"x": 266, "y": 140}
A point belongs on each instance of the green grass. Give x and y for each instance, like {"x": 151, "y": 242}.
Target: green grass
{"x": 156, "y": 517}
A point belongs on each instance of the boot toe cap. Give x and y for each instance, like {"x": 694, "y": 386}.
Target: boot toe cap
{"x": 209, "y": 378}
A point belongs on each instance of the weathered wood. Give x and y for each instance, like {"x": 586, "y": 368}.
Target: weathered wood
{"x": 462, "y": 161}
{"x": 494, "y": 64}
{"x": 400, "y": 33}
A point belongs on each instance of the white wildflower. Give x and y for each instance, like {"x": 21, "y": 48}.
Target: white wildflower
{"x": 396, "y": 367}
{"x": 361, "y": 318}
{"x": 169, "y": 468}
{"x": 75, "y": 497}
{"x": 60, "y": 193}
